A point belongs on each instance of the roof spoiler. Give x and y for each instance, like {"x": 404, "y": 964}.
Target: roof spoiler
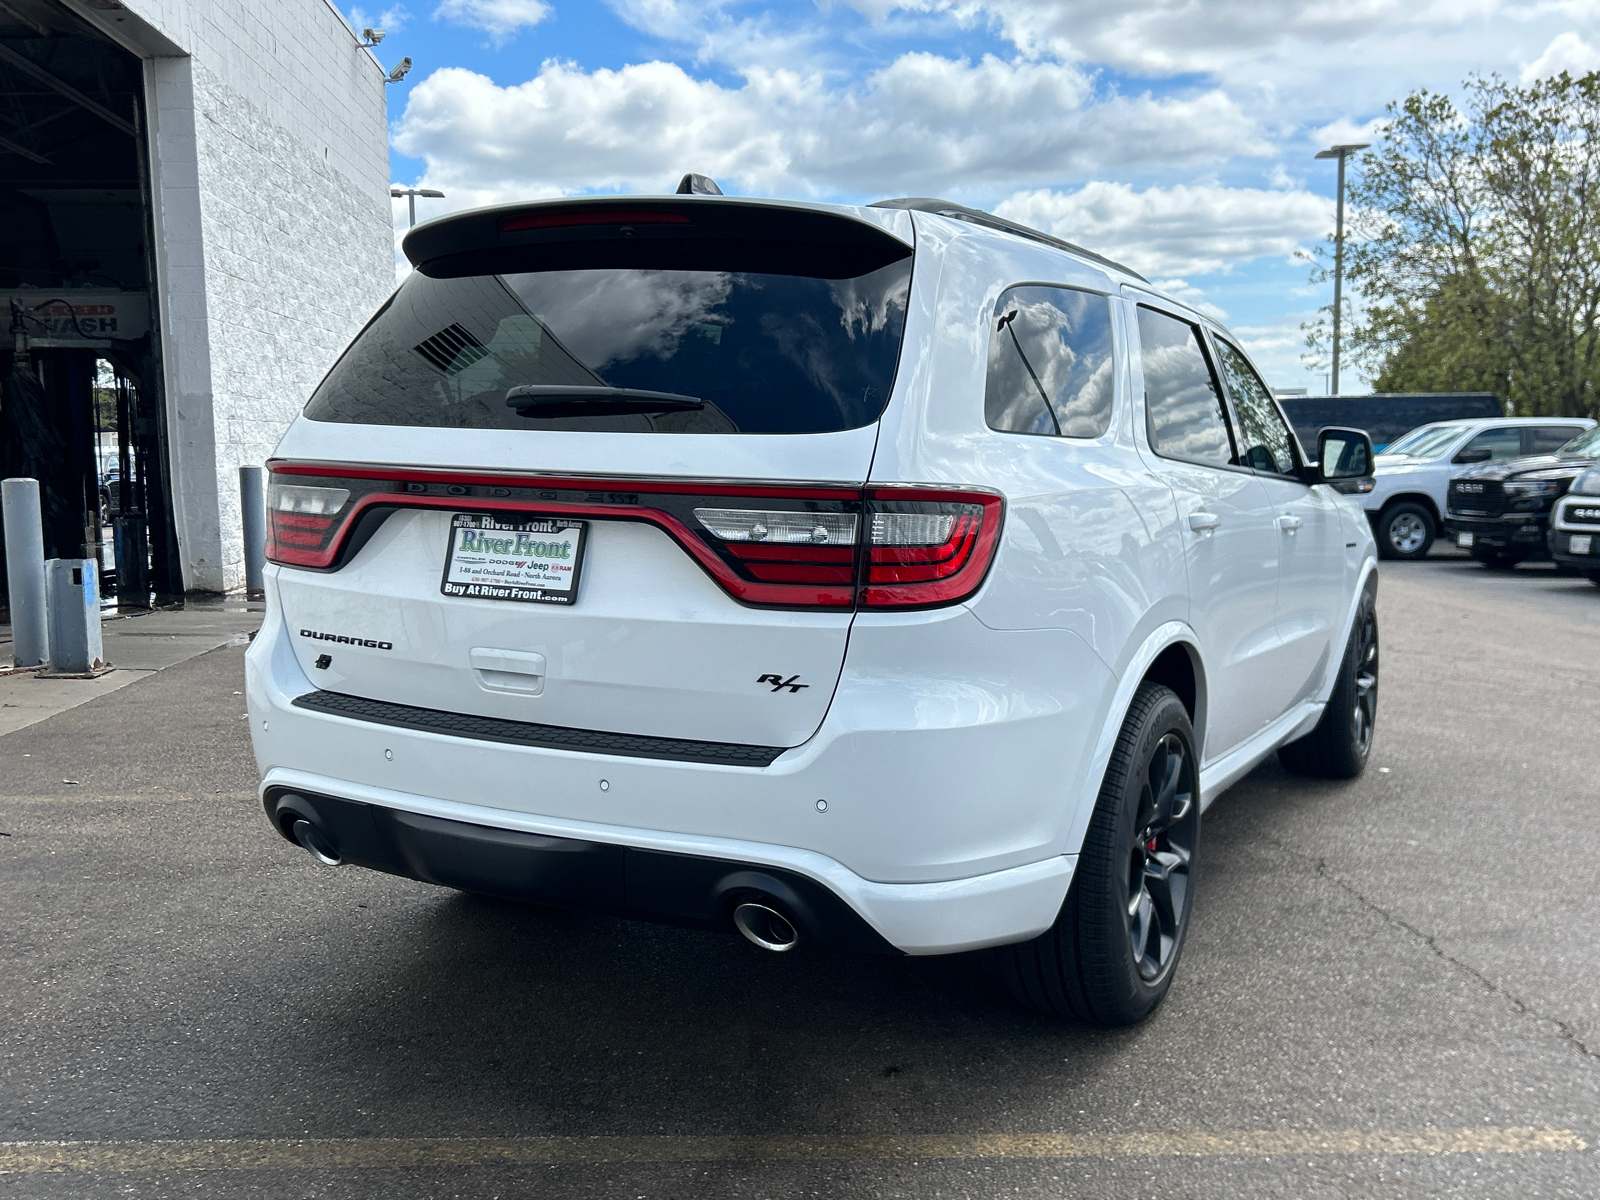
{"x": 974, "y": 216}
{"x": 663, "y": 232}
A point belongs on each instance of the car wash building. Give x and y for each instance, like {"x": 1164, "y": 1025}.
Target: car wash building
{"x": 194, "y": 220}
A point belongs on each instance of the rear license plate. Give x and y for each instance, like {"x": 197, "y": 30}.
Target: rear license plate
{"x": 1464, "y": 540}
{"x": 1581, "y": 542}
{"x": 534, "y": 560}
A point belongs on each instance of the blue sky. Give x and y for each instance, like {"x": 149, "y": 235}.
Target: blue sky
{"x": 1176, "y": 135}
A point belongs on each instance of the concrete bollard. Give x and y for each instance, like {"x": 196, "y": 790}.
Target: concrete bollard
{"x": 253, "y": 513}
{"x": 75, "y": 646}
{"x": 30, "y": 610}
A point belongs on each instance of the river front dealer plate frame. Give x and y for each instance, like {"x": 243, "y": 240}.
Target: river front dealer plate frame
{"x": 530, "y": 560}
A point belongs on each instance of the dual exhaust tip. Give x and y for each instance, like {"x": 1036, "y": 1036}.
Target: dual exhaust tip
{"x": 315, "y": 842}
{"x": 765, "y": 926}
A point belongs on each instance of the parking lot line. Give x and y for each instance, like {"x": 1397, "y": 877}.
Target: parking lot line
{"x": 299, "y": 1154}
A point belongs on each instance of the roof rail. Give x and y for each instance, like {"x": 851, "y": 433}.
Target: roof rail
{"x": 960, "y": 212}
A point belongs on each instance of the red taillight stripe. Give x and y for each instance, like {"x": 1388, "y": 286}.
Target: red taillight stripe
{"x": 781, "y": 575}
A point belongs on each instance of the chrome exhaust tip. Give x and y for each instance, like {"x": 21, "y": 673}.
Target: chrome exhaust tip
{"x": 765, "y": 926}
{"x": 315, "y": 842}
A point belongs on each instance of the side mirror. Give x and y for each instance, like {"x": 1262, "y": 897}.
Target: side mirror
{"x": 1482, "y": 454}
{"x": 1345, "y": 460}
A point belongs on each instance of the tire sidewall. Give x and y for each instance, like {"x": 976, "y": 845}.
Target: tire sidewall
{"x": 1119, "y": 806}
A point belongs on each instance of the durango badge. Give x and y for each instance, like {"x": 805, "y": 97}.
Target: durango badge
{"x": 369, "y": 643}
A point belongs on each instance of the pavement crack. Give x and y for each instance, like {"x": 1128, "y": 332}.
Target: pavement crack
{"x": 1518, "y": 1005}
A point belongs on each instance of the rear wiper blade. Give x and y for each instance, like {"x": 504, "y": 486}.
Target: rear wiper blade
{"x": 562, "y": 399}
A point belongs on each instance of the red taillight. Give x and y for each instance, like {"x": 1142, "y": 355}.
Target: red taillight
{"x": 928, "y": 546}
{"x": 561, "y": 219}
{"x": 768, "y": 545}
{"x": 305, "y": 518}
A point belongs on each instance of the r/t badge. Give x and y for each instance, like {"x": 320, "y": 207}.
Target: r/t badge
{"x": 778, "y": 682}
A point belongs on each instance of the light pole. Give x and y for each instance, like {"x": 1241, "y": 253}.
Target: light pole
{"x": 411, "y": 194}
{"x": 1341, "y": 153}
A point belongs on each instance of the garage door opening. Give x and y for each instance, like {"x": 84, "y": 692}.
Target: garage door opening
{"x": 82, "y": 409}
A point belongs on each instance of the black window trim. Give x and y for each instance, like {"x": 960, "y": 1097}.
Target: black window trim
{"x": 1228, "y": 418}
{"x": 1111, "y": 426}
{"x": 1298, "y": 474}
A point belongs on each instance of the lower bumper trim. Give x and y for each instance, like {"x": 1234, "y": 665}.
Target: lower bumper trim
{"x": 527, "y": 733}
{"x": 625, "y": 881}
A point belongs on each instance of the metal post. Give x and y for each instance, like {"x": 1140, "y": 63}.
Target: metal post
{"x": 253, "y": 510}
{"x": 411, "y": 201}
{"x": 75, "y": 645}
{"x": 30, "y": 613}
{"x": 1338, "y": 272}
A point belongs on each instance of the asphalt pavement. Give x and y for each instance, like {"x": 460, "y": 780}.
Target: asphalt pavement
{"x": 1391, "y": 986}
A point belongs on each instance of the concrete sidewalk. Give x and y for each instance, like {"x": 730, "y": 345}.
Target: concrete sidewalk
{"x": 137, "y": 645}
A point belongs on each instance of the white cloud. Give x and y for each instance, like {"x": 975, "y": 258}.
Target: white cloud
{"x": 1566, "y": 52}
{"x": 923, "y": 123}
{"x": 500, "y": 19}
{"x": 1176, "y": 231}
{"x": 389, "y": 20}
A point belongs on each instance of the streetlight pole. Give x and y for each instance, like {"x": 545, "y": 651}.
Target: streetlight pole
{"x": 1341, "y": 153}
{"x": 411, "y": 194}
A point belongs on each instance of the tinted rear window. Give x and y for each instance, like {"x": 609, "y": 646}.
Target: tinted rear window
{"x": 765, "y": 353}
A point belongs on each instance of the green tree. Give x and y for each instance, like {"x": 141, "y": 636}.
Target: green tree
{"x": 1475, "y": 243}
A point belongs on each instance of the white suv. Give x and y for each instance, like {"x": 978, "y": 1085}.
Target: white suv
{"x": 889, "y": 577}
{"x": 1407, "y": 504}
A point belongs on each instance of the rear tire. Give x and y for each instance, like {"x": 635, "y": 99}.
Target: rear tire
{"x": 1338, "y": 748}
{"x": 1112, "y": 952}
{"x": 1405, "y": 531}
{"x": 1594, "y": 577}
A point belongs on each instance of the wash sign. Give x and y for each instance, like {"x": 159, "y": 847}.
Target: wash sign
{"x": 67, "y": 315}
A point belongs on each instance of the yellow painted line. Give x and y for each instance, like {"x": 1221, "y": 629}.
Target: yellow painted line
{"x": 79, "y": 795}
{"x": 322, "y": 1154}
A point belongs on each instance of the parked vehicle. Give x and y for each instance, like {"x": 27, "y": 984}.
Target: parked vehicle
{"x": 1500, "y": 512}
{"x": 1574, "y": 537}
{"x": 1407, "y": 504}
{"x": 1386, "y": 416}
{"x": 894, "y": 577}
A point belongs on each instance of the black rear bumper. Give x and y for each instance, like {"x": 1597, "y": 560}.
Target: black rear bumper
{"x": 623, "y": 881}
{"x": 1524, "y": 538}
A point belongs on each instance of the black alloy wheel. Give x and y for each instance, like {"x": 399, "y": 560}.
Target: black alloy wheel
{"x": 1338, "y": 748}
{"x": 1168, "y": 826}
{"x": 1405, "y": 531}
{"x": 1110, "y": 957}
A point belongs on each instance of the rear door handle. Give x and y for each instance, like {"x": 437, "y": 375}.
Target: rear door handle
{"x": 509, "y": 670}
{"x": 1289, "y": 524}
{"x": 1204, "y": 522}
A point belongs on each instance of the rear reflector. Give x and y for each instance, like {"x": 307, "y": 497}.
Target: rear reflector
{"x": 786, "y": 546}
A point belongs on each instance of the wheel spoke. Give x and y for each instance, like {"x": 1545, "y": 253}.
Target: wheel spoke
{"x": 1142, "y": 912}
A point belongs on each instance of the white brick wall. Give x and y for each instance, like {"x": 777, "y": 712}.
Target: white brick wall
{"x": 271, "y": 176}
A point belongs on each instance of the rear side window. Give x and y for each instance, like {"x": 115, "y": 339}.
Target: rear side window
{"x": 1183, "y": 403}
{"x": 1547, "y": 439}
{"x": 1265, "y": 443}
{"x": 1050, "y": 365}
{"x": 741, "y": 351}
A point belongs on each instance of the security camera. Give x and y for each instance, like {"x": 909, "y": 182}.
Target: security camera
{"x": 372, "y": 36}
{"x": 401, "y": 69}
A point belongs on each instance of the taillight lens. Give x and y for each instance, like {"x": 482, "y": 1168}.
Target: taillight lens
{"x": 306, "y": 521}
{"x": 928, "y": 546}
{"x": 925, "y": 546}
